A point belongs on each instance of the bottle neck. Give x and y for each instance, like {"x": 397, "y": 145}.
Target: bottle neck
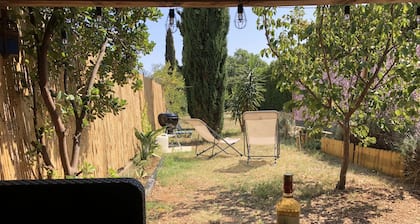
{"x": 287, "y": 195}
{"x": 288, "y": 186}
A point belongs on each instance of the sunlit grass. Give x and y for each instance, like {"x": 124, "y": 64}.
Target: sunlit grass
{"x": 314, "y": 173}
{"x": 258, "y": 184}
{"x": 155, "y": 208}
{"x": 175, "y": 167}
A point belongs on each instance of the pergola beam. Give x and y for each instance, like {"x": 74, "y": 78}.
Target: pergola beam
{"x": 184, "y": 3}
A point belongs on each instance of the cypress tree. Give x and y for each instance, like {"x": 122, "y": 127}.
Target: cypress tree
{"x": 170, "y": 50}
{"x": 204, "y": 54}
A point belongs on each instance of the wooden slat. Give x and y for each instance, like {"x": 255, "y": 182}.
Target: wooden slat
{"x": 183, "y": 3}
{"x": 384, "y": 161}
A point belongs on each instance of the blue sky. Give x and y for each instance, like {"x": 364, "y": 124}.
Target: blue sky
{"x": 248, "y": 38}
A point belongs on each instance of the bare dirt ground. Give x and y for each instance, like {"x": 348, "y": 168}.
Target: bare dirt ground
{"x": 362, "y": 202}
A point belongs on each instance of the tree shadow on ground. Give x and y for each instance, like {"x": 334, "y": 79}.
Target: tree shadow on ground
{"x": 357, "y": 204}
{"x": 399, "y": 182}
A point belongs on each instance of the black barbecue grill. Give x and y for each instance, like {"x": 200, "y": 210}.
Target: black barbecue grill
{"x": 169, "y": 121}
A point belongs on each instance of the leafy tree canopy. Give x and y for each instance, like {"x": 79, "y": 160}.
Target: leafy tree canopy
{"x": 245, "y": 83}
{"x": 348, "y": 70}
{"x": 174, "y": 88}
{"x": 204, "y": 53}
{"x": 76, "y": 56}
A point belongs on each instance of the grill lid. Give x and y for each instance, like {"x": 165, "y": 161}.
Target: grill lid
{"x": 168, "y": 120}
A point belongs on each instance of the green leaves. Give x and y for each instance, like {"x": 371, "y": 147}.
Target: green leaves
{"x": 340, "y": 67}
{"x": 173, "y": 85}
{"x": 204, "y": 53}
{"x": 126, "y": 29}
{"x": 245, "y": 83}
{"x": 148, "y": 141}
{"x": 95, "y": 91}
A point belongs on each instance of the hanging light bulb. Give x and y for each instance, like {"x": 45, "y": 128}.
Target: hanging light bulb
{"x": 171, "y": 21}
{"x": 240, "y": 17}
{"x": 98, "y": 14}
{"x": 347, "y": 12}
{"x": 64, "y": 39}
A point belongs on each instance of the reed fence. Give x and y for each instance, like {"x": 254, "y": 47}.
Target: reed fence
{"x": 107, "y": 144}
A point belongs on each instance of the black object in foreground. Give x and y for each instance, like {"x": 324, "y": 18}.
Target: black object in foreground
{"x": 96, "y": 200}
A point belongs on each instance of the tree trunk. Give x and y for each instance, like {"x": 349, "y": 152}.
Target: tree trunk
{"x": 40, "y": 140}
{"x": 76, "y": 143}
{"x": 79, "y": 119}
{"x": 341, "y": 185}
{"x": 60, "y": 129}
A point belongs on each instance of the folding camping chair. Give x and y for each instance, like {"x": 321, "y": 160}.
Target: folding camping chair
{"x": 261, "y": 128}
{"x": 211, "y": 136}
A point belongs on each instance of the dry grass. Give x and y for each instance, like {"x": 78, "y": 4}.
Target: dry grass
{"x": 225, "y": 188}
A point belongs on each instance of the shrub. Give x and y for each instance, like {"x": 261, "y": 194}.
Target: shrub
{"x": 410, "y": 148}
{"x": 148, "y": 142}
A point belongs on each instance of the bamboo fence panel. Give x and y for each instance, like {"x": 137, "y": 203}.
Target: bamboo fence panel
{"x": 148, "y": 94}
{"x": 154, "y": 92}
{"x": 158, "y": 96}
{"x": 111, "y": 140}
{"x": 107, "y": 143}
{"x": 384, "y": 161}
{"x": 15, "y": 126}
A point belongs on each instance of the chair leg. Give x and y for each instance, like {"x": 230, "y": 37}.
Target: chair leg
{"x": 248, "y": 154}
{"x": 196, "y": 146}
{"x": 221, "y": 150}
{"x": 231, "y": 146}
{"x": 205, "y": 150}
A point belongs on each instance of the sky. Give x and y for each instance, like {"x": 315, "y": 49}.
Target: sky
{"x": 249, "y": 38}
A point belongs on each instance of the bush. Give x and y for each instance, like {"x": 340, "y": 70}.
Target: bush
{"x": 172, "y": 83}
{"x": 285, "y": 125}
{"x": 410, "y": 148}
{"x": 148, "y": 142}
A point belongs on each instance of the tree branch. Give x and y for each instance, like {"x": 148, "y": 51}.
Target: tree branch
{"x": 371, "y": 79}
{"x": 96, "y": 67}
{"x": 385, "y": 75}
{"x": 84, "y": 108}
{"x": 267, "y": 36}
{"x": 60, "y": 129}
{"x": 32, "y": 20}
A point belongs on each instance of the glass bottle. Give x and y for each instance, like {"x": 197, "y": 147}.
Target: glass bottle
{"x": 288, "y": 208}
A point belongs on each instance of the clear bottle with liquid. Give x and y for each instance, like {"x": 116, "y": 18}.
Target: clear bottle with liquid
{"x": 288, "y": 208}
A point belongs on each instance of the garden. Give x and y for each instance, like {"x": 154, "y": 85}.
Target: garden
{"x": 225, "y": 189}
{"x": 353, "y": 69}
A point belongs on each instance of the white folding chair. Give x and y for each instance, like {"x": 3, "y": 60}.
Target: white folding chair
{"x": 261, "y": 128}
{"x": 211, "y": 136}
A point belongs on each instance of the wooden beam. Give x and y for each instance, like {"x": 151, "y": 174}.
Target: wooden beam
{"x": 184, "y": 3}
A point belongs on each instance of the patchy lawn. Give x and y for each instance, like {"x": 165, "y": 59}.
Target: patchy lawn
{"x": 226, "y": 189}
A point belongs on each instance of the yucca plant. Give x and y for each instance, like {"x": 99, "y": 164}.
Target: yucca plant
{"x": 147, "y": 142}
{"x": 246, "y": 96}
